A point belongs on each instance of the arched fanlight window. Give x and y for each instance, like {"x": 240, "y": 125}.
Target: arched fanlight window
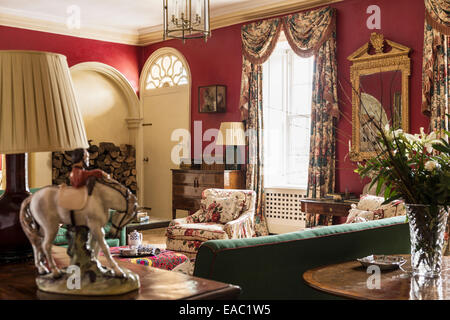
{"x": 167, "y": 71}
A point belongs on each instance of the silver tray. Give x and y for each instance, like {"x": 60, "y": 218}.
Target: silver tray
{"x": 384, "y": 262}
{"x": 141, "y": 251}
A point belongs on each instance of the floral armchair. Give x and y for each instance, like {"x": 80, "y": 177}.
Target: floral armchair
{"x": 224, "y": 214}
{"x": 371, "y": 207}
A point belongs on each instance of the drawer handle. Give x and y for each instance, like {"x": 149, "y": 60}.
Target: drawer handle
{"x": 195, "y": 183}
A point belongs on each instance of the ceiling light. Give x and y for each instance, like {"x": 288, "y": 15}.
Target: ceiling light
{"x": 186, "y": 19}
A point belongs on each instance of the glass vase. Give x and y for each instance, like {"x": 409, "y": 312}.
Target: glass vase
{"x": 427, "y": 227}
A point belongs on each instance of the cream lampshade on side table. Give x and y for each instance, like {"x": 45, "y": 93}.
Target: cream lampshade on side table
{"x": 38, "y": 113}
{"x": 231, "y": 134}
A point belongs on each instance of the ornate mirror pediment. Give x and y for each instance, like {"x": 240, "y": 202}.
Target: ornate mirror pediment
{"x": 380, "y": 89}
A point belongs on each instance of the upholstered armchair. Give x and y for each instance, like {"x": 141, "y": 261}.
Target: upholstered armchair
{"x": 371, "y": 207}
{"x": 224, "y": 214}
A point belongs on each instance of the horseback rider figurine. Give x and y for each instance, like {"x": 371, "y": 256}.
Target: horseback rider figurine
{"x": 80, "y": 176}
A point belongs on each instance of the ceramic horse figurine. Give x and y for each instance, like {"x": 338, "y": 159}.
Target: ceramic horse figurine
{"x": 41, "y": 214}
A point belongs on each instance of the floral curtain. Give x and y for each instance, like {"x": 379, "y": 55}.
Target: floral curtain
{"x": 258, "y": 41}
{"x": 436, "y": 59}
{"x": 308, "y": 33}
{"x": 314, "y": 33}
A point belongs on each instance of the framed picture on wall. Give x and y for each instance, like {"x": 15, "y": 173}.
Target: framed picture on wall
{"x": 212, "y": 99}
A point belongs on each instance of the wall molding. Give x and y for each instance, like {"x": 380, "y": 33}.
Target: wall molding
{"x": 56, "y": 27}
{"x": 154, "y": 34}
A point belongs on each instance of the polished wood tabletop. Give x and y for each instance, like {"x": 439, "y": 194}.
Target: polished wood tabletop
{"x": 352, "y": 280}
{"x": 18, "y": 282}
{"x": 326, "y": 206}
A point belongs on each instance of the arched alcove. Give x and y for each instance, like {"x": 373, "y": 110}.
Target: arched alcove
{"x": 111, "y": 113}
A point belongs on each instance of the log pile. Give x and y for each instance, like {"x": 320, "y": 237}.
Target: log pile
{"x": 118, "y": 161}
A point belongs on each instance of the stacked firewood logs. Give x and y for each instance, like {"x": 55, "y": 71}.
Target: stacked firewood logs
{"x": 118, "y": 161}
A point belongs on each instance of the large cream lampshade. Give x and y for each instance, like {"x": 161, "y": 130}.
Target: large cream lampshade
{"x": 38, "y": 112}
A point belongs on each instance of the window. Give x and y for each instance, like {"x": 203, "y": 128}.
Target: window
{"x": 166, "y": 71}
{"x": 287, "y": 92}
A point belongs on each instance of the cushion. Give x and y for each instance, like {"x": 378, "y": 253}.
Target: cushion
{"x": 392, "y": 209}
{"x": 197, "y": 231}
{"x": 369, "y": 202}
{"x": 183, "y": 246}
{"x": 221, "y": 210}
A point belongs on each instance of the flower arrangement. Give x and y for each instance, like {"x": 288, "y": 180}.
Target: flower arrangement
{"x": 415, "y": 167}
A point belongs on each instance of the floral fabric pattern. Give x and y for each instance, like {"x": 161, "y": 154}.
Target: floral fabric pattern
{"x": 187, "y": 234}
{"x": 324, "y": 114}
{"x": 307, "y": 31}
{"x": 259, "y": 39}
{"x": 436, "y": 63}
{"x": 374, "y": 210}
{"x": 197, "y": 231}
{"x": 187, "y": 247}
{"x": 223, "y": 209}
{"x": 252, "y": 90}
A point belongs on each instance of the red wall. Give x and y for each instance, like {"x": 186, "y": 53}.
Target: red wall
{"x": 402, "y": 21}
{"x": 124, "y": 58}
{"x": 219, "y": 61}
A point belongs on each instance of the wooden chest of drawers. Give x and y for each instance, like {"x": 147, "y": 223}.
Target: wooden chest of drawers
{"x": 188, "y": 185}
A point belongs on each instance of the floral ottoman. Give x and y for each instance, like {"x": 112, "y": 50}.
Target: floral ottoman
{"x": 167, "y": 259}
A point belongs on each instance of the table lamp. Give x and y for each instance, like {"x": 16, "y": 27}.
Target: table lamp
{"x": 38, "y": 113}
{"x": 234, "y": 135}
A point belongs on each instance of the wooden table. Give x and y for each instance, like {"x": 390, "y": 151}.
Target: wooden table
{"x": 350, "y": 280}
{"x": 18, "y": 282}
{"x": 336, "y": 209}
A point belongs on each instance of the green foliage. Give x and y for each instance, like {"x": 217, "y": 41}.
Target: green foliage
{"x": 412, "y": 167}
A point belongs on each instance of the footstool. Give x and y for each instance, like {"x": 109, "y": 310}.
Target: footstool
{"x": 167, "y": 259}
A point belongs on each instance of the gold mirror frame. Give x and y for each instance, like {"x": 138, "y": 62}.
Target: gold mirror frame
{"x": 364, "y": 63}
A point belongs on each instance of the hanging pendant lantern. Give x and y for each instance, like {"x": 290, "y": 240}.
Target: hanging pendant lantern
{"x": 186, "y": 19}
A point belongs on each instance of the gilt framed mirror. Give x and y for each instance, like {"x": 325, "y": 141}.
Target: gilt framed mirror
{"x": 379, "y": 76}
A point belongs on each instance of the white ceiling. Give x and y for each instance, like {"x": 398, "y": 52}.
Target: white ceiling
{"x": 127, "y": 16}
{"x": 137, "y": 22}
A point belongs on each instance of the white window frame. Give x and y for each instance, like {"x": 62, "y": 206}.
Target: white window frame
{"x": 288, "y": 117}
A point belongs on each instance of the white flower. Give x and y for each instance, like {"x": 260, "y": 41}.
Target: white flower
{"x": 431, "y": 165}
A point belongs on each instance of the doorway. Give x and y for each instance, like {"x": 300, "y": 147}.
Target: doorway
{"x": 165, "y": 99}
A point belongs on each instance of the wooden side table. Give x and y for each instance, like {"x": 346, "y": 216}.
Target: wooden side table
{"x": 350, "y": 280}
{"x": 336, "y": 209}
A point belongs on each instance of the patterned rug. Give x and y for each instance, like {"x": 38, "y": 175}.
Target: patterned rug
{"x": 167, "y": 259}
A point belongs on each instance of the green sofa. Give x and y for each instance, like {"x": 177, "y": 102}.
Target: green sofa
{"x": 272, "y": 267}
{"x": 61, "y": 239}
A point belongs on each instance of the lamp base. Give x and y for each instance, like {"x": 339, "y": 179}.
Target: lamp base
{"x": 14, "y": 244}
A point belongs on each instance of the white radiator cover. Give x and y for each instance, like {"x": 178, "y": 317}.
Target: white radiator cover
{"x": 283, "y": 210}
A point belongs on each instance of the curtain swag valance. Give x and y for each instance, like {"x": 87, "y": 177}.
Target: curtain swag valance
{"x": 306, "y": 32}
